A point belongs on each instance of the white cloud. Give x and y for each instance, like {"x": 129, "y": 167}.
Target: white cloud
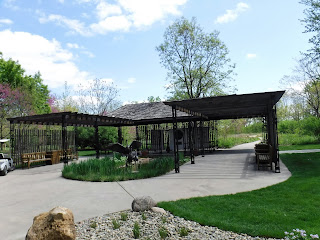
{"x": 5, "y": 21}
{"x": 105, "y": 10}
{"x": 251, "y": 55}
{"x": 146, "y": 12}
{"x": 75, "y": 25}
{"x": 88, "y": 53}
{"x": 10, "y": 4}
{"x": 122, "y": 15}
{"x": 233, "y": 14}
{"x": 81, "y": 48}
{"x": 73, "y": 45}
{"x": 111, "y": 24}
{"x": 131, "y": 80}
{"x": 36, "y": 53}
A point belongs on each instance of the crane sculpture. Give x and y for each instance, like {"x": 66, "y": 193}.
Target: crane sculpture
{"x": 127, "y": 151}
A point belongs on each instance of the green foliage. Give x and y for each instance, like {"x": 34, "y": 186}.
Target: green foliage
{"x": 289, "y": 126}
{"x": 163, "y": 232}
{"x": 86, "y": 137}
{"x": 107, "y": 135}
{"x": 255, "y": 127}
{"x": 312, "y": 23}
{"x": 183, "y": 232}
{"x": 265, "y": 212}
{"x": 108, "y": 170}
{"x": 297, "y": 139}
{"x": 93, "y": 225}
{"x": 115, "y": 224}
{"x": 20, "y": 94}
{"x": 307, "y": 126}
{"x": 154, "y": 99}
{"x": 299, "y": 147}
{"x": 124, "y": 216}
{"x": 13, "y": 74}
{"x": 136, "y": 230}
{"x": 233, "y": 140}
{"x": 197, "y": 62}
{"x": 144, "y": 217}
{"x": 311, "y": 126}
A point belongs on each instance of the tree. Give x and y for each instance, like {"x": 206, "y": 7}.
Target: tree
{"x": 13, "y": 74}
{"x": 154, "y": 99}
{"x": 197, "y": 62}
{"x": 304, "y": 88}
{"x": 312, "y": 25}
{"x": 99, "y": 97}
{"x": 13, "y": 102}
{"x": 63, "y": 102}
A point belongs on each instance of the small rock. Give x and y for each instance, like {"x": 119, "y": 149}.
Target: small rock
{"x": 158, "y": 210}
{"x": 142, "y": 204}
{"x": 57, "y": 224}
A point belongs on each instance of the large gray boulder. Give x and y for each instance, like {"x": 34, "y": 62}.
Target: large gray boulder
{"x": 57, "y": 224}
{"x": 141, "y": 204}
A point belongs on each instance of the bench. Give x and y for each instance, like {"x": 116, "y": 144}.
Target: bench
{"x": 29, "y": 158}
{"x": 69, "y": 155}
{"x": 263, "y": 153}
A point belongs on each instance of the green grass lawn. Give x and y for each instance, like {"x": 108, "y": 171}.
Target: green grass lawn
{"x": 87, "y": 153}
{"x": 268, "y": 212}
{"x": 299, "y": 147}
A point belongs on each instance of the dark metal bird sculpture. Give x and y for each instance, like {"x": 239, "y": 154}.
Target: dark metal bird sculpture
{"x": 117, "y": 147}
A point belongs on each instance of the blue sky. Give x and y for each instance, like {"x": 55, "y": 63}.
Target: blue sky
{"x": 79, "y": 40}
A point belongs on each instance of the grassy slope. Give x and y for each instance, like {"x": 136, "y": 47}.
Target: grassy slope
{"x": 299, "y": 147}
{"x": 233, "y": 140}
{"x": 265, "y": 212}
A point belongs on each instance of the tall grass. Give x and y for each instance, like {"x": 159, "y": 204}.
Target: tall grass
{"x": 108, "y": 170}
{"x": 233, "y": 140}
{"x": 297, "y": 139}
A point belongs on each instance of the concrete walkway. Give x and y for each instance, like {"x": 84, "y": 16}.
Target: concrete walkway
{"x": 27, "y": 193}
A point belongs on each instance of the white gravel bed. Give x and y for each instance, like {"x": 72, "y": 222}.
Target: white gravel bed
{"x": 150, "y": 223}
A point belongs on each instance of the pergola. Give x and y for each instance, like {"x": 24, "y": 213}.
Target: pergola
{"x": 65, "y": 119}
{"x": 233, "y": 107}
{"x": 191, "y": 110}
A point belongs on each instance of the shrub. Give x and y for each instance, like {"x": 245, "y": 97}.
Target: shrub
{"x": 296, "y": 139}
{"x": 163, "y": 232}
{"x": 115, "y": 224}
{"x": 124, "y": 216}
{"x": 93, "y": 225}
{"x": 183, "y": 232}
{"x": 136, "y": 230}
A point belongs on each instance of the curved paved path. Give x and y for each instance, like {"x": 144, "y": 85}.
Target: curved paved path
{"x": 26, "y": 193}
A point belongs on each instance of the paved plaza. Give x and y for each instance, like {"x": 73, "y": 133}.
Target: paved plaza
{"x": 29, "y": 192}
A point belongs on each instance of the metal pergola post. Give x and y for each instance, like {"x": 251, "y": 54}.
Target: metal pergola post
{"x": 273, "y": 136}
{"x": 64, "y": 138}
{"x": 96, "y": 135}
{"x": 201, "y": 138}
{"x": 191, "y": 141}
{"x": 119, "y": 135}
{"x": 176, "y": 147}
{"x": 137, "y": 137}
{"x": 12, "y": 150}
